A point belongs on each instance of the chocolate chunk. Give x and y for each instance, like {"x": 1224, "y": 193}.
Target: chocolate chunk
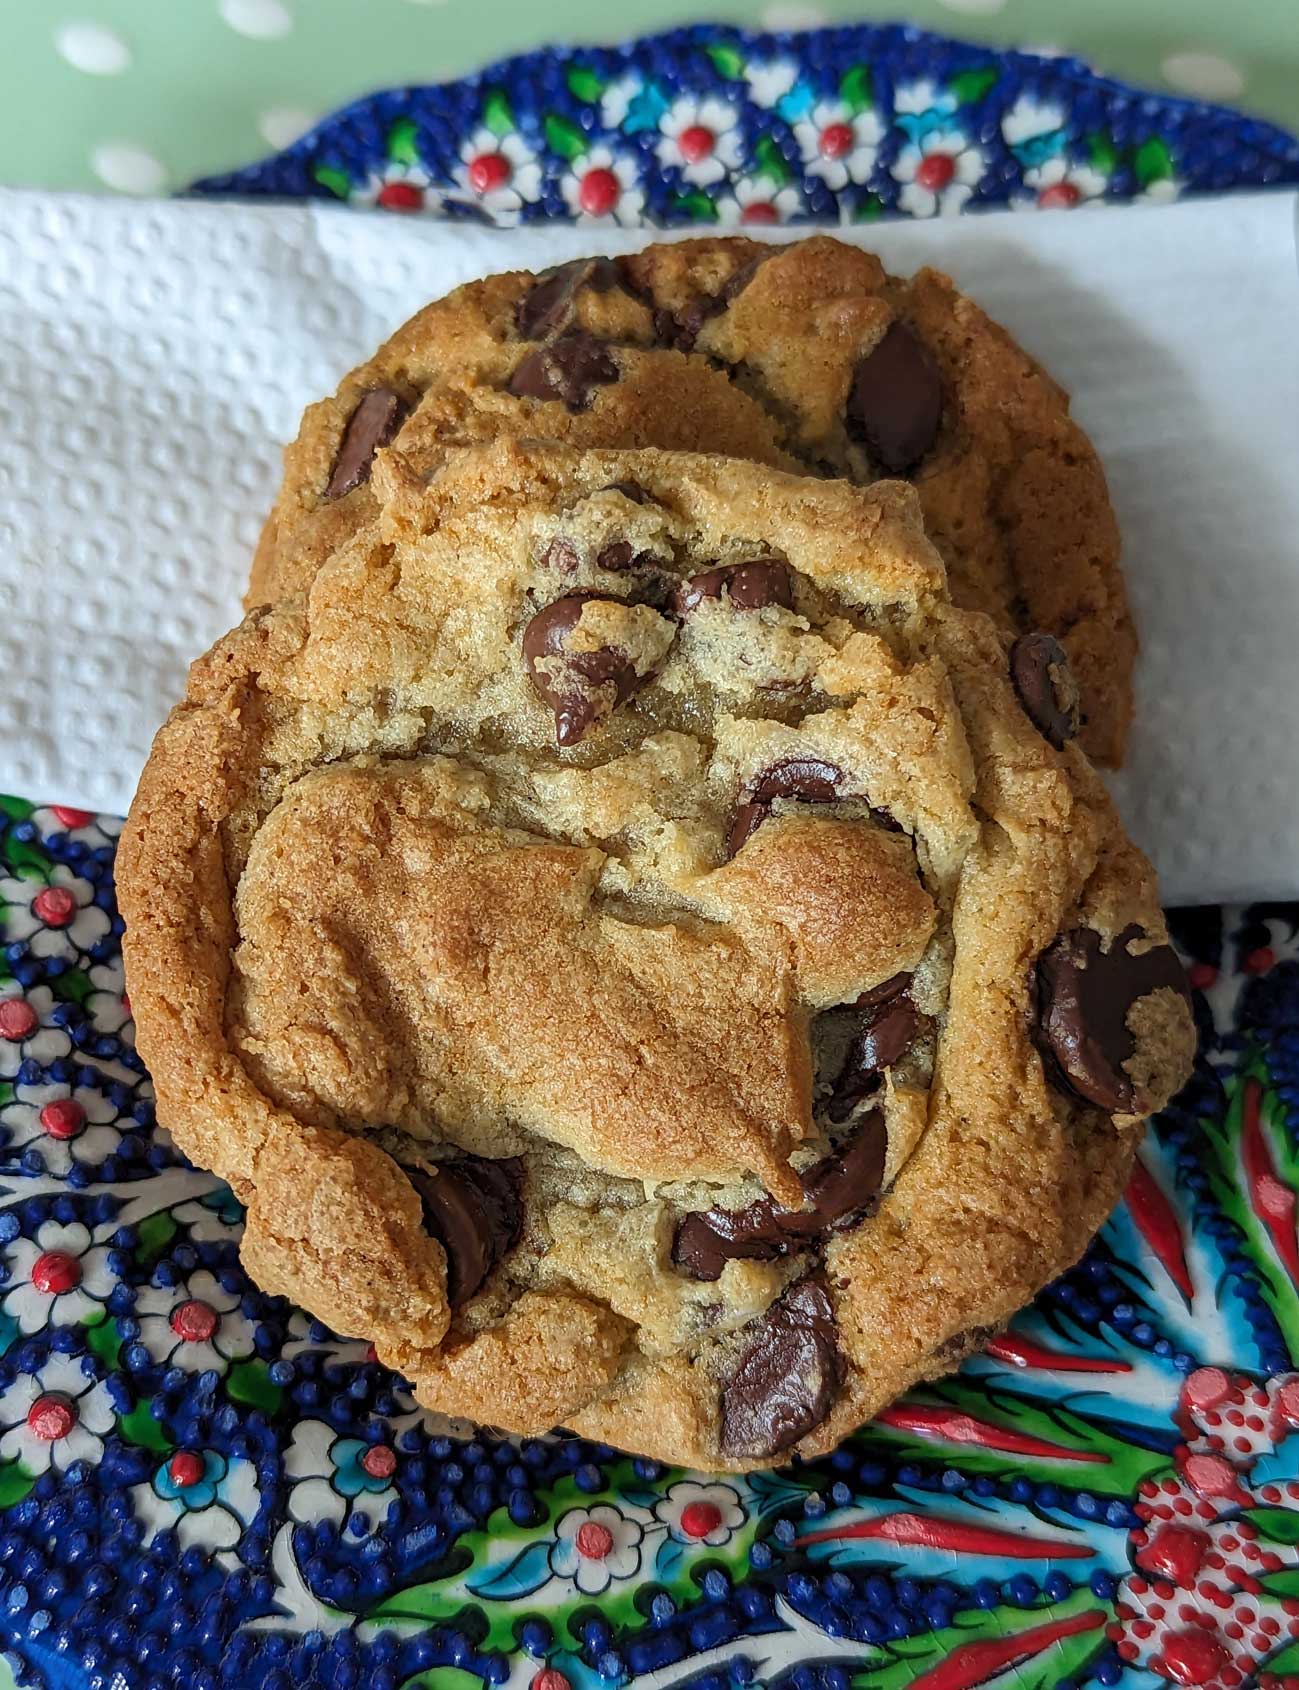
{"x": 682, "y": 332}
{"x": 372, "y": 424}
{"x": 1039, "y": 669}
{"x": 840, "y": 1188}
{"x": 578, "y": 687}
{"x": 806, "y": 779}
{"x": 883, "y": 1041}
{"x": 784, "y": 1382}
{"x": 887, "y": 990}
{"x": 895, "y": 403}
{"x": 747, "y": 586}
{"x": 548, "y": 304}
{"x": 744, "y": 275}
{"x": 567, "y": 369}
{"x": 631, "y": 490}
{"x": 474, "y": 1208}
{"x": 561, "y": 556}
{"x": 617, "y": 557}
{"x": 1084, "y": 995}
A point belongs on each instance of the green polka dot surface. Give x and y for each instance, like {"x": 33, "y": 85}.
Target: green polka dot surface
{"x": 142, "y": 98}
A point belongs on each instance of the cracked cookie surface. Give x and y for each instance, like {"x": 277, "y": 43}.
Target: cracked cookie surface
{"x": 643, "y": 956}
{"x": 804, "y": 357}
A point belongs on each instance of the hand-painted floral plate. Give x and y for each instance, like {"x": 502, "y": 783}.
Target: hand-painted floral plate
{"x": 200, "y": 1488}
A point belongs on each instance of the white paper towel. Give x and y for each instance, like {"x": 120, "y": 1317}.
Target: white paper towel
{"x": 154, "y": 355}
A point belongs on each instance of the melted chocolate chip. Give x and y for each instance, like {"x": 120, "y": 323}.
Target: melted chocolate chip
{"x": 784, "y": 1382}
{"x": 372, "y": 424}
{"x": 567, "y": 368}
{"x": 805, "y": 779}
{"x": 840, "y": 1189}
{"x": 882, "y": 1042}
{"x": 548, "y": 304}
{"x": 1039, "y": 669}
{"x": 577, "y": 688}
{"x": 474, "y": 1208}
{"x": 1084, "y": 995}
{"x": 747, "y": 586}
{"x": 561, "y": 556}
{"x": 895, "y": 403}
{"x": 885, "y": 992}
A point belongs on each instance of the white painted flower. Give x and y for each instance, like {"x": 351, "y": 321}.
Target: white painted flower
{"x": 758, "y": 201}
{"x": 334, "y": 1477}
{"x": 919, "y": 98}
{"x": 217, "y": 1217}
{"x": 595, "y": 1546}
{"x": 57, "y": 1415}
{"x": 1162, "y": 192}
{"x": 205, "y": 1498}
{"x": 696, "y": 1513}
{"x": 399, "y": 187}
{"x": 82, "y": 825}
{"x": 770, "y": 82}
{"x": 700, "y": 138}
{"x": 65, "y": 1124}
{"x": 838, "y": 144}
{"x": 25, "y": 1031}
{"x": 195, "y": 1325}
{"x": 58, "y": 1277}
{"x": 1060, "y": 183}
{"x": 938, "y": 173}
{"x": 59, "y": 919}
{"x": 1031, "y": 120}
{"x": 107, "y": 1005}
{"x": 499, "y": 172}
{"x": 604, "y": 187}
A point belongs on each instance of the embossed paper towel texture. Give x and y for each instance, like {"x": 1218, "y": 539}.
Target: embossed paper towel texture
{"x": 154, "y": 356}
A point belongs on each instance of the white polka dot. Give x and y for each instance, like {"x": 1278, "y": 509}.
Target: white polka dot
{"x": 128, "y": 168}
{"x": 92, "y": 48}
{"x": 1206, "y": 75}
{"x": 263, "y": 20}
{"x": 976, "y": 8}
{"x": 791, "y": 14}
{"x": 280, "y": 126}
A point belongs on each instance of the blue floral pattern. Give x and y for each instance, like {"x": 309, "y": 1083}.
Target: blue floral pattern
{"x": 718, "y": 127}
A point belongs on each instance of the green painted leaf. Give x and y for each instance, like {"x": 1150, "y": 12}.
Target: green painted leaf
{"x": 140, "y": 1427}
{"x": 972, "y": 85}
{"x": 1286, "y": 1661}
{"x": 695, "y": 205}
{"x": 27, "y": 860}
{"x": 6, "y": 1092}
{"x": 584, "y": 84}
{"x": 770, "y": 161}
{"x": 104, "y": 1338}
{"x": 401, "y": 143}
{"x": 856, "y": 89}
{"x": 337, "y": 181}
{"x": 156, "y": 1232}
{"x": 498, "y": 114}
{"x": 17, "y": 809}
{"x": 1281, "y": 1584}
{"x": 444, "y": 1678}
{"x": 1102, "y": 152}
{"x": 563, "y": 136}
{"x": 727, "y": 59}
{"x": 1278, "y": 1525}
{"x": 1152, "y": 162}
{"x": 74, "y": 986}
{"x": 15, "y": 1482}
{"x": 867, "y": 210}
{"x": 250, "y": 1382}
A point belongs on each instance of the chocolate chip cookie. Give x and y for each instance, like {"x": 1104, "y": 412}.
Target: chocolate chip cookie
{"x": 807, "y": 356}
{"x": 643, "y": 956}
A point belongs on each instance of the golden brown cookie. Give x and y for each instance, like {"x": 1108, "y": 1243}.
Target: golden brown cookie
{"x": 643, "y": 957}
{"x": 807, "y": 356}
